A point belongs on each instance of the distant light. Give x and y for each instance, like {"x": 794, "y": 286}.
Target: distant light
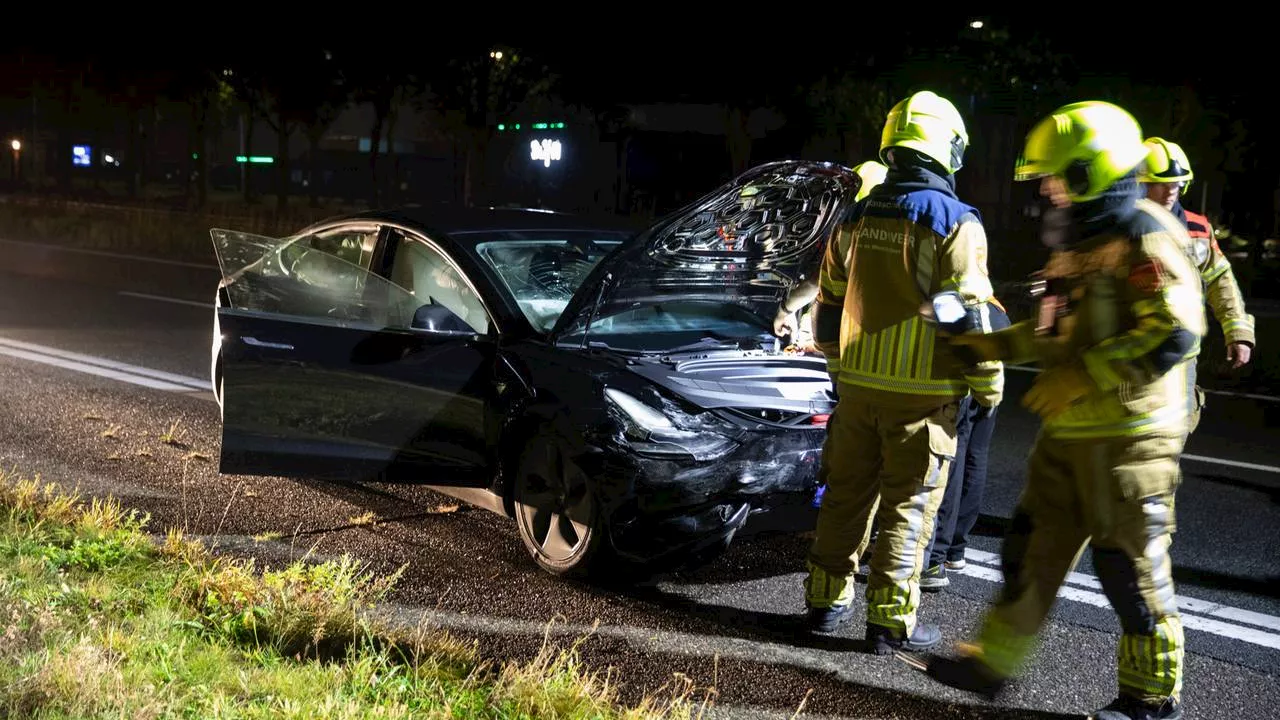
{"x": 108, "y": 159}
{"x": 496, "y": 54}
{"x": 976, "y": 24}
{"x": 16, "y": 145}
{"x": 545, "y": 150}
{"x": 501, "y": 127}
{"x": 255, "y": 159}
{"x": 81, "y": 155}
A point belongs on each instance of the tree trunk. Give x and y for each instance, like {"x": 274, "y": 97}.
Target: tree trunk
{"x": 473, "y": 167}
{"x": 381, "y": 108}
{"x": 133, "y": 150}
{"x": 393, "y": 179}
{"x": 246, "y": 174}
{"x": 61, "y": 156}
{"x": 282, "y": 164}
{"x": 314, "y": 133}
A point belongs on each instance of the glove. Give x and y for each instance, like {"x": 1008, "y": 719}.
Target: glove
{"x": 1057, "y": 389}
{"x": 784, "y": 323}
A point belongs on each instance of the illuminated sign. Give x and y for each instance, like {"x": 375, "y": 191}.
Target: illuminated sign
{"x": 545, "y": 150}
{"x": 81, "y": 155}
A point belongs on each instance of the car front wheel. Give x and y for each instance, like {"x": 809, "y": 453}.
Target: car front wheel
{"x": 556, "y": 511}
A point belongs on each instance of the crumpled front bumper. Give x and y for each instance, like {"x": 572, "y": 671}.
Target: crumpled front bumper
{"x": 678, "y": 508}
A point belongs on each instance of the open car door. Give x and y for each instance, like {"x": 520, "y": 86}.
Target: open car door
{"x": 330, "y": 370}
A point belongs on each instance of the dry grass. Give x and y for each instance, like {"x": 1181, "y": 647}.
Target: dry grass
{"x": 104, "y": 620}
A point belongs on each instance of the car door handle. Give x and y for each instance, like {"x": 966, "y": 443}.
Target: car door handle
{"x": 264, "y": 344}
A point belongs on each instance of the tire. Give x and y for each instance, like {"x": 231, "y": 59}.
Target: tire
{"x": 556, "y": 510}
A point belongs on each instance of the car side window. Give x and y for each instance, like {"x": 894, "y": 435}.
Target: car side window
{"x": 310, "y": 258}
{"x": 322, "y": 278}
{"x": 426, "y": 273}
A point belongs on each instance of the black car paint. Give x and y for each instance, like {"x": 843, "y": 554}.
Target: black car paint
{"x": 656, "y": 508}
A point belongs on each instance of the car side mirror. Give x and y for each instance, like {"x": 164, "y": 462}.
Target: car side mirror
{"x": 438, "y": 318}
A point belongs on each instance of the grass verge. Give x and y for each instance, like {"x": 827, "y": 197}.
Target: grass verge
{"x": 103, "y": 619}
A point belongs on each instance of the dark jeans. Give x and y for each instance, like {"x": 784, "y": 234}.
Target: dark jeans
{"x": 962, "y": 501}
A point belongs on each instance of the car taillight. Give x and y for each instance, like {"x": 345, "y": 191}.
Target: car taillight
{"x": 819, "y": 419}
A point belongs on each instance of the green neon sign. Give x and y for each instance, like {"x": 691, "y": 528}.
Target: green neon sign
{"x": 267, "y": 159}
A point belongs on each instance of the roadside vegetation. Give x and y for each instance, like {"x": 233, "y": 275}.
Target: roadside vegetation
{"x": 103, "y": 619}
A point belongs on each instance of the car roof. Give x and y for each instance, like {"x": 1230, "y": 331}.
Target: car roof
{"x": 460, "y": 222}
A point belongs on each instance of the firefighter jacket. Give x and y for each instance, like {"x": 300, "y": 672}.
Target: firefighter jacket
{"x": 895, "y": 249}
{"x": 1127, "y": 306}
{"x": 1220, "y": 286}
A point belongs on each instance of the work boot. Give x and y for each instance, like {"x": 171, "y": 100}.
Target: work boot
{"x": 1127, "y": 707}
{"x": 934, "y": 579}
{"x": 827, "y": 619}
{"x": 968, "y": 673}
{"x": 884, "y": 641}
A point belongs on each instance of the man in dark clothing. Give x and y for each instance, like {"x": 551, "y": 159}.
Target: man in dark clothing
{"x": 962, "y": 502}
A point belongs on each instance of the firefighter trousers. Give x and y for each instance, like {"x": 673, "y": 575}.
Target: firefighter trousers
{"x": 891, "y": 462}
{"x": 1115, "y": 497}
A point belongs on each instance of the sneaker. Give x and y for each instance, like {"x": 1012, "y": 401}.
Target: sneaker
{"x": 956, "y": 564}
{"x": 934, "y": 579}
{"x": 884, "y": 641}
{"x": 827, "y": 619}
{"x": 1127, "y": 707}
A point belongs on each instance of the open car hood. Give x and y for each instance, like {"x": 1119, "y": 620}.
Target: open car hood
{"x": 748, "y": 242}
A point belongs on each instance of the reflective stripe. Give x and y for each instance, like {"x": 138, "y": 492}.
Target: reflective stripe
{"x": 1150, "y": 666}
{"x": 1001, "y": 649}
{"x": 897, "y": 359}
{"x": 1244, "y": 323}
{"x": 824, "y": 590}
{"x": 1215, "y": 272}
{"x": 1168, "y": 417}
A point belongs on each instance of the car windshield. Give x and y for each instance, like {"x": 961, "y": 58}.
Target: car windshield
{"x": 678, "y": 324}
{"x": 543, "y": 271}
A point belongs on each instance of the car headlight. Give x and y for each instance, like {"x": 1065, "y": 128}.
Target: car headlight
{"x": 651, "y": 432}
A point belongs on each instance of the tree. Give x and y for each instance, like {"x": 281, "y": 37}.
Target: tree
{"x": 383, "y": 80}
{"x": 470, "y": 93}
{"x": 849, "y": 108}
{"x": 315, "y": 102}
{"x": 136, "y": 83}
{"x": 203, "y": 86}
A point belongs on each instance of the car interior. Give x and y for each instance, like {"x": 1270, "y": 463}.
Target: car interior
{"x": 426, "y": 273}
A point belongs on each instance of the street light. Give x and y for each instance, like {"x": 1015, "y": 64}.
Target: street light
{"x": 16, "y": 144}
{"x": 976, "y": 24}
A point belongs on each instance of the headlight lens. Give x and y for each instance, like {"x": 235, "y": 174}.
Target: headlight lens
{"x": 651, "y": 432}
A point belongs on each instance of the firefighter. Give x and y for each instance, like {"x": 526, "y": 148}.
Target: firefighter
{"x": 801, "y": 297}
{"x": 1118, "y": 333}
{"x": 893, "y": 435}
{"x": 1165, "y": 176}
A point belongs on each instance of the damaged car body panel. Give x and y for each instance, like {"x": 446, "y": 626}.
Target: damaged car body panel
{"x": 620, "y": 395}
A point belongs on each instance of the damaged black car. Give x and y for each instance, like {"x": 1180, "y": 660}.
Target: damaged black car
{"x": 620, "y": 395}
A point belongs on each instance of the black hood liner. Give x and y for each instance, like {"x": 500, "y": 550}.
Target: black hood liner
{"x": 748, "y": 242}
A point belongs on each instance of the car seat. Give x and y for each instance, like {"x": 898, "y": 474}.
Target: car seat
{"x": 424, "y": 272}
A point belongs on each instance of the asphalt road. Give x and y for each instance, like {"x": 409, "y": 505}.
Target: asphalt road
{"x": 729, "y": 626}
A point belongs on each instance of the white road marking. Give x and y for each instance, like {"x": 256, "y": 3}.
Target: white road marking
{"x": 1196, "y": 614}
{"x": 103, "y": 367}
{"x": 108, "y": 253}
{"x": 1232, "y": 463}
{"x": 1225, "y": 393}
{"x": 161, "y": 298}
